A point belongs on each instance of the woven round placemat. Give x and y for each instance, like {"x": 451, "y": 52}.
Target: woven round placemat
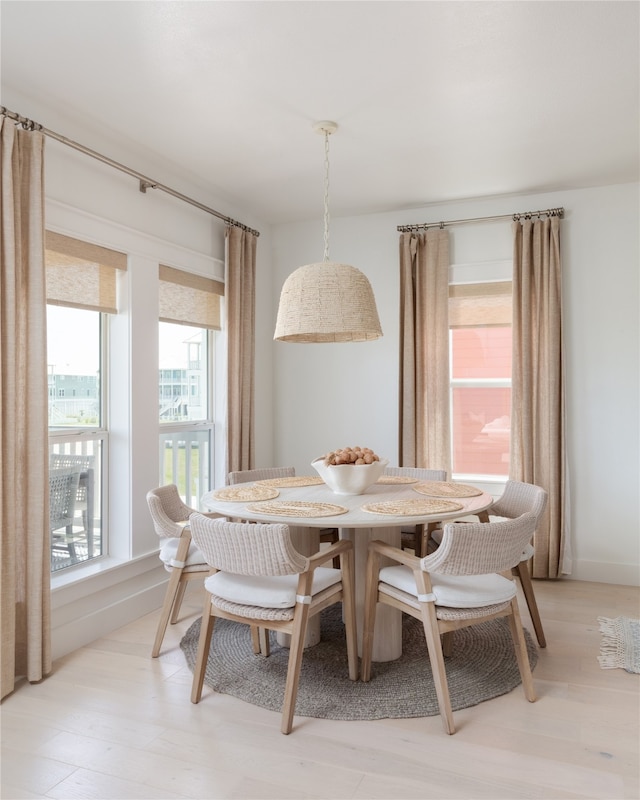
{"x": 396, "y": 479}
{"x": 297, "y": 508}
{"x": 482, "y": 665}
{"x": 408, "y": 508}
{"x": 292, "y": 480}
{"x": 445, "y": 489}
{"x": 241, "y": 494}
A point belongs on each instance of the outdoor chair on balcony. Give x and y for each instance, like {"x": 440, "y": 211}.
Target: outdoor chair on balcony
{"x": 84, "y": 464}
{"x": 63, "y": 491}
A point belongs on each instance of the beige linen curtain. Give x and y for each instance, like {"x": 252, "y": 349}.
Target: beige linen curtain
{"x": 538, "y": 402}
{"x": 24, "y": 488}
{"x": 424, "y": 350}
{"x": 240, "y": 295}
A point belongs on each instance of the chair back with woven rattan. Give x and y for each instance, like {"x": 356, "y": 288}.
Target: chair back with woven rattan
{"x": 167, "y": 509}
{"x": 517, "y": 499}
{"x": 417, "y": 472}
{"x": 248, "y": 475}
{"x": 481, "y": 548}
{"x": 245, "y": 548}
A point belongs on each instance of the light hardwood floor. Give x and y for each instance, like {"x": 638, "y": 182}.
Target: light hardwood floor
{"x": 113, "y": 723}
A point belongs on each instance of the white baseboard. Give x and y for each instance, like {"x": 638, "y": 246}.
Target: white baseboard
{"x": 603, "y": 572}
{"x": 107, "y": 602}
{"x": 85, "y": 629}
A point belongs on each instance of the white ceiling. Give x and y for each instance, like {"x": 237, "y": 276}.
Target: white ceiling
{"x": 435, "y": 101}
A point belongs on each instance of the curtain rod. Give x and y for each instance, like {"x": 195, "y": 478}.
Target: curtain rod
{"x": 549, "y": 212}
{"x": 145, "y": 183}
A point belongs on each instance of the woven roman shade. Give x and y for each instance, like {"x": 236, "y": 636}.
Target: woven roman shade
{"x": 80, "y": 274}
{"x": 478, "y": 305}
{"x": 189, "y": 299}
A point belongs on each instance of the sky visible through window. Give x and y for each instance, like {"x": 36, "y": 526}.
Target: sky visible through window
{"x": 173, "y": 351}
{"x": 73, "y": 341}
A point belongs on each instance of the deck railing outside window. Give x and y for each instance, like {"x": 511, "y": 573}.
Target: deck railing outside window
{"x": 185, "y": 458}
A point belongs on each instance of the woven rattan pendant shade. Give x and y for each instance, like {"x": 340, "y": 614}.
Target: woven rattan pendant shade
{"x": 327, "y": 301}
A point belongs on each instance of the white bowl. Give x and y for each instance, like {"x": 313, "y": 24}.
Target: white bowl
{"x": 349, "y": 478}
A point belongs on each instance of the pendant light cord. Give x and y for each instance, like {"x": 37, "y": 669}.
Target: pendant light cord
{"x": 326, "y": 196}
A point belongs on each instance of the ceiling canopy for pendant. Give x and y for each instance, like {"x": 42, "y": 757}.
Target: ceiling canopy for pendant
{"x": 327, "y": 301}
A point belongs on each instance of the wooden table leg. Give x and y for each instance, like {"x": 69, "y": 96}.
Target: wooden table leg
{"x": 387, "y": 640}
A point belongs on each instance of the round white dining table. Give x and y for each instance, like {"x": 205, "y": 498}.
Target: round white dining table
{"x": 359, "y": 526}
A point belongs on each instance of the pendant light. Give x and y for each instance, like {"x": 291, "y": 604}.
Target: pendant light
{"x": 327, "y": 301}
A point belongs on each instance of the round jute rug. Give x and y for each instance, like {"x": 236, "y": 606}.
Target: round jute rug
{"x": 482, "y": 666}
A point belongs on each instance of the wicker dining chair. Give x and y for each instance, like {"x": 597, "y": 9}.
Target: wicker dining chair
{"x": 260, "y": 579}
{"x": 517, "y": 499}
{"x": 327, "y": 535}
{"x": 248, "y": 475}
{"x": 456, "y": 586}
{"x": 416, "y": 537}
{"x": 181, "y": 558}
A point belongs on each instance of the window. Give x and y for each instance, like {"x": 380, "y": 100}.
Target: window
{"x": 480, "y": 368}
{"x": 189, "y": 315}
{"x": 81, "y": 294}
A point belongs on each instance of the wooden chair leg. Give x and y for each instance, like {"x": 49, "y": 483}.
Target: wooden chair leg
{"x": 177, "y": 603}
{"x": 169, "y": 597}
{"x": 520, "y": 646}
{"x": 447, "y": 644}
{"x": 204, "y": 643}
{"x": 370, "y": 607}
{"x": 436, "y": 657}
{"x": 260, "y": 641}
{"x": 293, "y": 670}
{"x": 265, "y": 643}
{"x": 522, "y": 572}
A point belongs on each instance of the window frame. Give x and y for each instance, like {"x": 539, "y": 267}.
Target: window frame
{"x": 77, "y": 435}
{"x": 170, "y": 430}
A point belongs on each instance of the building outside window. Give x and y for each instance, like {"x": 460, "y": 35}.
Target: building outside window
{"x": 480, "y": 369}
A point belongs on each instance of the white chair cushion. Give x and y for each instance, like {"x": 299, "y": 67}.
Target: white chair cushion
{"x": 454, "y": 591}
{"x": 169, "y": 548}
{"x": 278, "y": 591}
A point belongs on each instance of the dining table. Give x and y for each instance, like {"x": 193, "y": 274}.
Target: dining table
{"x": 307, "y": 505}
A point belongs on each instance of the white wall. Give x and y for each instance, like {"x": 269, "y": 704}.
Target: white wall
{"x": 331, "y": 395}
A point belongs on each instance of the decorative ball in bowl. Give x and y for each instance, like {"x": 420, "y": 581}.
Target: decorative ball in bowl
{"x": 346, "y": 477}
